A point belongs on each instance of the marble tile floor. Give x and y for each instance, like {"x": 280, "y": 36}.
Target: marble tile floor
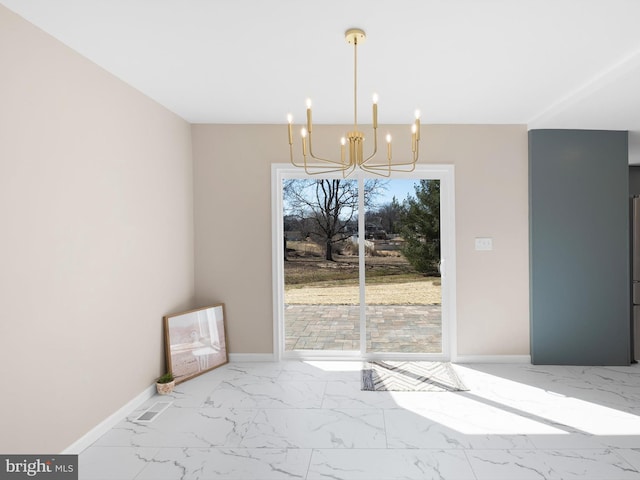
{"x": 310, "y": 420}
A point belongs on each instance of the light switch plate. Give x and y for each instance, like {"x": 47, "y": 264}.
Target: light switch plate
{"x": 484, "y": 243}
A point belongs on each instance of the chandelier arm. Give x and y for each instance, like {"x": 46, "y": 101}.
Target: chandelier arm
{"x": 375, "y": 145}
{"x": 326, "y": 160}
{"x": 293, "y": 162}
{"x": 391, "y": 166}
{"x": 323, "y": 170}
{"x": 307, "y": 166}
{"x": 348, "y": 171}
{"x": 312, "y": 169}
{"x": 382, "y": 166}
{"x": 395, "y": 164}
{"x": 409, "y": 167}
{"x": 334, "y": 162}
{"x": 385, "y": 173}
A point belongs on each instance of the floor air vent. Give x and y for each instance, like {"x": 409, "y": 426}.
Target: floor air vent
{"x": 152, "y": 412}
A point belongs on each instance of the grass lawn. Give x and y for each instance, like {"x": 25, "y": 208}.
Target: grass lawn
{"x": 390, "y": 279}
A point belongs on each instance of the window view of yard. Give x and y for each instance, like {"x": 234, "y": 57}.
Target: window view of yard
{"x": 321, "y": 267}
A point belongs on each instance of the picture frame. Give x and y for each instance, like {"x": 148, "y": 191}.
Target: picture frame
{"x": 195, "y": 341}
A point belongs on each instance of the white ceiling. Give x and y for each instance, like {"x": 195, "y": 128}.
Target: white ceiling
{"x": 545, "y": 63}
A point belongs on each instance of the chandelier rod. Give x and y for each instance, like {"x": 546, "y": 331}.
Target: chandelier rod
{"x": 355, "y": 84}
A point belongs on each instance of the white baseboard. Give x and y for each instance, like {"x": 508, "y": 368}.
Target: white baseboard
{"x": 492, "y": 359}
{"x": 107, "y": 424}
{"x": 252, "y": 357}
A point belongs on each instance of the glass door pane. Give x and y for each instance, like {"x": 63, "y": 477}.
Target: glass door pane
{"x": 402, "y": 257}
{"x": 321, "y": 282}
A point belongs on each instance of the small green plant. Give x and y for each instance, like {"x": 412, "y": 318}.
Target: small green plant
{"x": 166, "y": 378}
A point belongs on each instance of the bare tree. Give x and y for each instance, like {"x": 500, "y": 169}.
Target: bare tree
{"x": 331, "y": 204}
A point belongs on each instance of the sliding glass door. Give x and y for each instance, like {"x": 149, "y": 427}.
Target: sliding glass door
{"x": 402, "y": 257}
{"x": 320, "y": 264}
{"x": 358, "y": 264}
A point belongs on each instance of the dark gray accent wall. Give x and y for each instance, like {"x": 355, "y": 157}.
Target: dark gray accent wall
{"x": 579, "y": 247}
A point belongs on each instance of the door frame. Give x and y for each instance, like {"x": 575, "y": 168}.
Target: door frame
{"x": 442, "y": 172}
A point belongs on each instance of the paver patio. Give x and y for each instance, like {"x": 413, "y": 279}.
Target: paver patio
{"x": 390, "y": 328}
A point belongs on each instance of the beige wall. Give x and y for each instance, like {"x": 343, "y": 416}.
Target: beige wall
{"x": 97, "y": 206}
{"x": 96, "y": 210}
{"x": 491, "y": 169}
{"x": 233, "y": 227}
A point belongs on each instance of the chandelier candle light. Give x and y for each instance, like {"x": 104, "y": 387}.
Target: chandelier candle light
{"x": 314, "y": 165}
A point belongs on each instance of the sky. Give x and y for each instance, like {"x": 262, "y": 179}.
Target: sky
{"x": 398, "y": 187}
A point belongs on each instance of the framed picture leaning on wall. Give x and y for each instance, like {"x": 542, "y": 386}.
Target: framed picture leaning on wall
{"x": 195, "y": 341}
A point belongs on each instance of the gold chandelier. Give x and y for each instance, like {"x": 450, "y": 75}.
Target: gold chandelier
{"x": 314, "y": 165}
